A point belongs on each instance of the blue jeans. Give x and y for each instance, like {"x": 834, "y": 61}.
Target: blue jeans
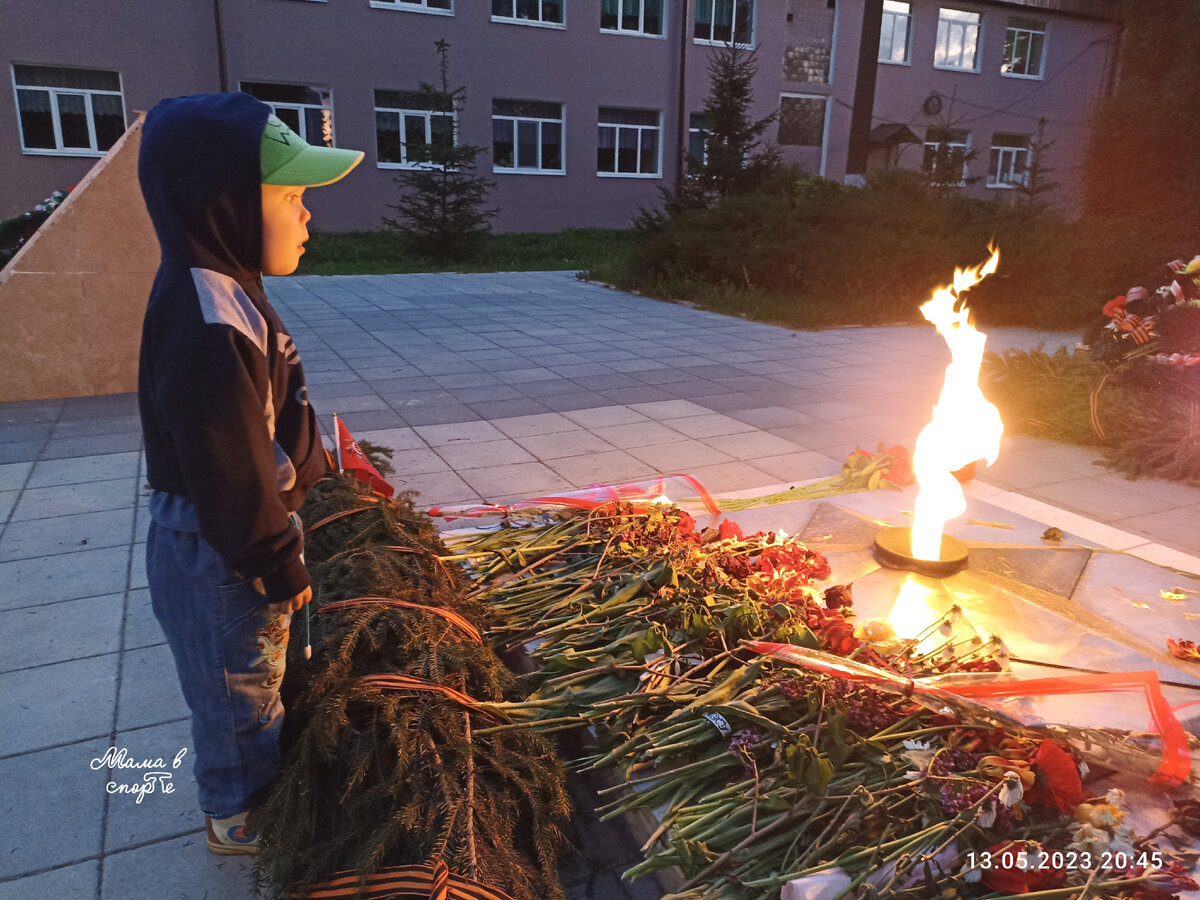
{"x": 230, "y": 654}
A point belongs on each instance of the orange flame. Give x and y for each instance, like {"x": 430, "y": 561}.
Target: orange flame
{"x": 965, "y": 426}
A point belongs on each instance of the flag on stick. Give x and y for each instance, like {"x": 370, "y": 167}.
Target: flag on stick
{"x": 351, "y": 459}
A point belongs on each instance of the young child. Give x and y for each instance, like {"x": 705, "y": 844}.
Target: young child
{"x": 232, "y": 445}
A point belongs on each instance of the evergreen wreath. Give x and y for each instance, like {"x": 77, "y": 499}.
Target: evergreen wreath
{"x": 381, "y": 765}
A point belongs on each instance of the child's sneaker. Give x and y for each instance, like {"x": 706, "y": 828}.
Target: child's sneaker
{"x": 233, "y": 835}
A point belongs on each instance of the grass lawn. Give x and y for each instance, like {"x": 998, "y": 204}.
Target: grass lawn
{"x": 380, "y": 253}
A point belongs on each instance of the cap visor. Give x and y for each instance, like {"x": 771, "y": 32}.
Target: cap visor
{"x": 316, "y": 166}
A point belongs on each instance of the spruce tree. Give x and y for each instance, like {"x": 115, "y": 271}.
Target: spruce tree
{"x": 736, "y": 158}
{"x": 738, "y": 161}
{"x": 947, "y": 157}
{"x": 441, "y": 212}
{"x": 1031, "y": 191}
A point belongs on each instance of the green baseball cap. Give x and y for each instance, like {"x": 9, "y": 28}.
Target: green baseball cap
{"x": 286, "y": 158}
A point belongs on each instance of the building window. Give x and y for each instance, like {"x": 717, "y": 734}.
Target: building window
{"x": 1024, "y": 45}
{"x": 529, "y": 12}
{"x": 725, "y": 21}
{"x": 628, "y": 142}
{"x": 632, "y": 16}
{"x": 408, "y": 123}
{"x": 303, "y": 108}
{"x": 957, "y": 40}
{"x": 527, "y": 136}
{"x": 946, "y": 152}
{"x": 440, "y": 7}
{"x": 1009, "y": 161}
{"x": 698, "y": 137}
{"x": 894, "y": 32}
{"x": 72, "y": 112}
{"x": 802, "y": 121}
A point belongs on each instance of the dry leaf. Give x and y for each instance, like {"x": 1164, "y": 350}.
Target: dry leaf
{"x": 1174, "y": 595}
{"x": 1139, "y": 604}
{"x": 1183, "y": 650}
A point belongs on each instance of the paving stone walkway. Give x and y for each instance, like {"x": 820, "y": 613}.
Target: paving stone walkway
{"x": 488, "y": 387}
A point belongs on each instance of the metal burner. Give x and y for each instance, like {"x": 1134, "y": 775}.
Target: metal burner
{"x": 892, "y": 546}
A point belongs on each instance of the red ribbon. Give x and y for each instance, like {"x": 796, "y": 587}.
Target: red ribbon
{"x": 1176, "y": 763}
{"x": 601, "y": 494}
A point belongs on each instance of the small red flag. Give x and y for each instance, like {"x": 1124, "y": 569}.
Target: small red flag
{"x": 351, "y": 459}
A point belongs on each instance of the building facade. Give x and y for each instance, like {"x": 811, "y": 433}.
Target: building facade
{"x": 584, "y": 107}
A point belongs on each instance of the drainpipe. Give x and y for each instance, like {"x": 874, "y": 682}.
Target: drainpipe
{"x": 864, "y": 88}
{"x": 222, "y": 71}
{"x": 1113, "y": 75}
{"x": 680, "y": 126}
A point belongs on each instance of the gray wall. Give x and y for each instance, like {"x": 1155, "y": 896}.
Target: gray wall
{"x": 169, "y": 48}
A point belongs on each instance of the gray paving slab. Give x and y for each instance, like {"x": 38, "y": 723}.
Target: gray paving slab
{"x": 20, "y": 451}
{"x": 58, "y": 632}
{"x": 64, "y": 576}
{"x": 169, "y": 810}
{"x": 59, "y": 703}
{"x": 177, "y": 869}
{"x": 22, "y": 411}
{"x": 91, "y": 445}
{"x": 29, "y": 431}
{"x": 73, "y": 428}
{"x": 64, "y": 499}
{"x": 149, "y": 692}
{"x": 440, "y": 414}
{"x": 76, "y": 882}
{"x": 83, "y": 469}
{"x": 141, "y": 628}
{"x": 32, "y": 787}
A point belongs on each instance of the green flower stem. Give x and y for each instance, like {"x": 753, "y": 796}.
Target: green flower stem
{"x": 908, "y": 735}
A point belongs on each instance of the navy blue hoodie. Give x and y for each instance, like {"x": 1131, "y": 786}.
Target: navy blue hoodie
{"x": 231, "y": 441}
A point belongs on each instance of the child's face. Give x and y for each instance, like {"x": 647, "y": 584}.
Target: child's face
{"x": 285, "y": 228}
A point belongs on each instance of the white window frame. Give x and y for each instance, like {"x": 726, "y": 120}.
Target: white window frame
{"x": 1009, "y": 29}
{"x": 712, "y": 4}
{"x": 59, "y": 150}
{"x": 416, "y": 6}
{"x": 536, "y": 23}
{"x": 1006, "y": 162}
{"x": 427, "y": 115}
{"x": 895, "y": 15}
{"x": 942, "y": 46}
{"x": 966, "y": 149}
{"x": 657, "y": 129}
{"x": 704, "y": 133}
{"x": 318, "y": 141}
{"x": 640, "y": 30}
{"x": 561, "y": 121}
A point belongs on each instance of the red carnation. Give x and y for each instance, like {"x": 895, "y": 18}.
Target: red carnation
{"x": 837, "y": 636}
{"x": 1057, "y": 785}
{"x": 729, "y": 529}
{"x": 900, "y": 471}
{"x": 1015, "y": 879}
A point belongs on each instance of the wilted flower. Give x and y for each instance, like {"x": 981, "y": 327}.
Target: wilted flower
{"x": 987, "y": 815}
{"x": 1090, "y": 839}
{"x": 877, "y": 631}
{"x": 1011, "y": 790}
{"x": 919, "y": 754}
{"x": 1115, "y": 796}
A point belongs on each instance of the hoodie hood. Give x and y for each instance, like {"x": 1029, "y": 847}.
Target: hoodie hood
{"x": 199, "y": 171}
